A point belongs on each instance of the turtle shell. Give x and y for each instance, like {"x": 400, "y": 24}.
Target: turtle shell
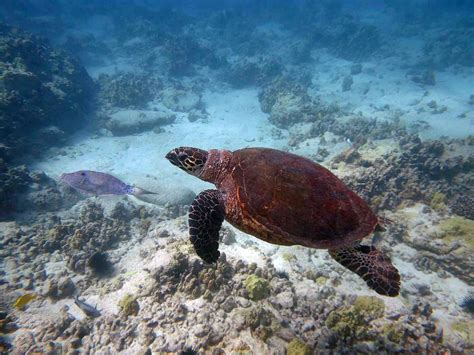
{"x": 287, "y": 199}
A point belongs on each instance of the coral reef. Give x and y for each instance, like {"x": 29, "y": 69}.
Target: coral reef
{"x": 248, "y": 72}
{"x": 348, "y": 39}
{"x": 193, "y": 278}
{"x": 22, "y": 190}
{"x": 354, "y": 322}
{"x": 41, "y": 87}
{"x": 450, "y": 47}
{"x": 463, "y": 206}
{"x": 79, "y": 239}
{"x": 327, "y": 79}
{"x": 420, "y": 169}
{"x": 184, "y": 53}
{"x": 127, "y": 90}
{"x": 288, "y": 103}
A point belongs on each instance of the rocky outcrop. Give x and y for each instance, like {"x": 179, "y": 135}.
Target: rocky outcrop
{"x": 41, "y": 88}
{"x": 24, "y": 191}
{"x": 415, "y": 174}
{"x": 127, "y": 90}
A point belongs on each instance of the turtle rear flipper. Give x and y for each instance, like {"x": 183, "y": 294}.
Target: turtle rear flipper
{"x": 372, "y": 265}
{"x": 206, "y": 214}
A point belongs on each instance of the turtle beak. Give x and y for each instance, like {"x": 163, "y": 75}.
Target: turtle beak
{"x": 172, "y": 156}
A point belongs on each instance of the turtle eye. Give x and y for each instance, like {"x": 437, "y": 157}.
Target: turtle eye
{"x": 83, "y": 174}
{"x": 182, "y": 157}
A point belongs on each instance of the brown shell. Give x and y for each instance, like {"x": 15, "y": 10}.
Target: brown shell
{"x": 287, "y": 199}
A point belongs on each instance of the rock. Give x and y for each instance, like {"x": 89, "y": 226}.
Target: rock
{"x": 356, "y": 69}
{"x": 246, "y": 72}
{"x": 426, "y": 78}
{"x": 463, "y": 206}
{"x": 180, "y": 100}
{"x": 127, "y": 90}
{"x": 128, "y": 122}
{"x": 66, "y": 287}
{"x": 227, "y": 235}
{"x": 284, "y": 299}
{"x": 41, "y": 87}
{"x": 196, "y": 114}
{"x": 57, "y": 290}
{"x": 448, "y": 47}
{"x": 257, "y": 287}
{"x": 347, "y": 83}
{"x": 288, "y": 103}
{"x": 350, "y": 40}
{"x": 184, "y": 53}
{"x": 354, "y": 321}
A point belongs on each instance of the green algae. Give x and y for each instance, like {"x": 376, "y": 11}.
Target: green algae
{"x": 129, "y": 305}
{"x": 438, "y": 201}
{"x": 297, "y": 347}
{"x": 394, "y": 332}
{"x": 354, "y": 321}
{"x": 321, "y": 280}
{"x": 458, "y": 229}
{"x": 261, "y": 322}
{"x": 465, "y": 329}
{"x": 257, "y": 287}
{"x": 288, "y": 257}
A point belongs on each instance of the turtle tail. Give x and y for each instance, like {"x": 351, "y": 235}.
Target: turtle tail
{"x": 372, "y": 265}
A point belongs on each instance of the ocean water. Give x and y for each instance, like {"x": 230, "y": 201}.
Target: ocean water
{"x": 379, "y": 93}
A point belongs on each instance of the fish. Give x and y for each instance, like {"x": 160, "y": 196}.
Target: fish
{"x": 90, "y": 311}
{"x": 99, "y": 183}
{"x": 23, "y": 300}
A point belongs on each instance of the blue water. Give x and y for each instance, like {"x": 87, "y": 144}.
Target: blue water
{"x": 377, "y": 92}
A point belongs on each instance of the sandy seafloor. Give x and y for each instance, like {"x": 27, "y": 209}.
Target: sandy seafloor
{"x": 235, "y": 120}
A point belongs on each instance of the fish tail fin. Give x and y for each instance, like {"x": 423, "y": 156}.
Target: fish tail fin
{"x": 137, "y": 191}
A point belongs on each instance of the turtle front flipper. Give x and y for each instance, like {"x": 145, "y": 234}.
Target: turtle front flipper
{"x": 206, "y": 214}
{"x": 372, "y": 265}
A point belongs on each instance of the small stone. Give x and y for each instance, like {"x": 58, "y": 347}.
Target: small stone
{"x": 229, "y": 304}
{"x": 75, "y": 343}
{"x": 284, "y": 300}
{"x": 66, "y": 287}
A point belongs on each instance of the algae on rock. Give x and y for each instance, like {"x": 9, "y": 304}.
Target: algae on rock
{"x": 129, "y": 305}
{"x": 257, "y": 287}
{"x": 297, "y": 347}
{"x": 354, "y": 321}
{"x": 458, "y": 229}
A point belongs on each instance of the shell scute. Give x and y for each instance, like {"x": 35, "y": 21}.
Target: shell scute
{"x": 288, "y": 199}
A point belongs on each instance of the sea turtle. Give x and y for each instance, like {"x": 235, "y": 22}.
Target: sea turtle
{"x": 283, "y": 199}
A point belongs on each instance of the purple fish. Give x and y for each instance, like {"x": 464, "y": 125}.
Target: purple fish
{"x": 97, "y": 183}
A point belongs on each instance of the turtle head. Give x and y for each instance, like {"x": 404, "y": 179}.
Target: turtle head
{"x": 191, "y": 160}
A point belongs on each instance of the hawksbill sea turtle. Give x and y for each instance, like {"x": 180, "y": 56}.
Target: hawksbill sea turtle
{"x": 283, "y": 199}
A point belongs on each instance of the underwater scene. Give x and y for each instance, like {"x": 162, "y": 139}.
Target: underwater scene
{"x": 237, "y": 177}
